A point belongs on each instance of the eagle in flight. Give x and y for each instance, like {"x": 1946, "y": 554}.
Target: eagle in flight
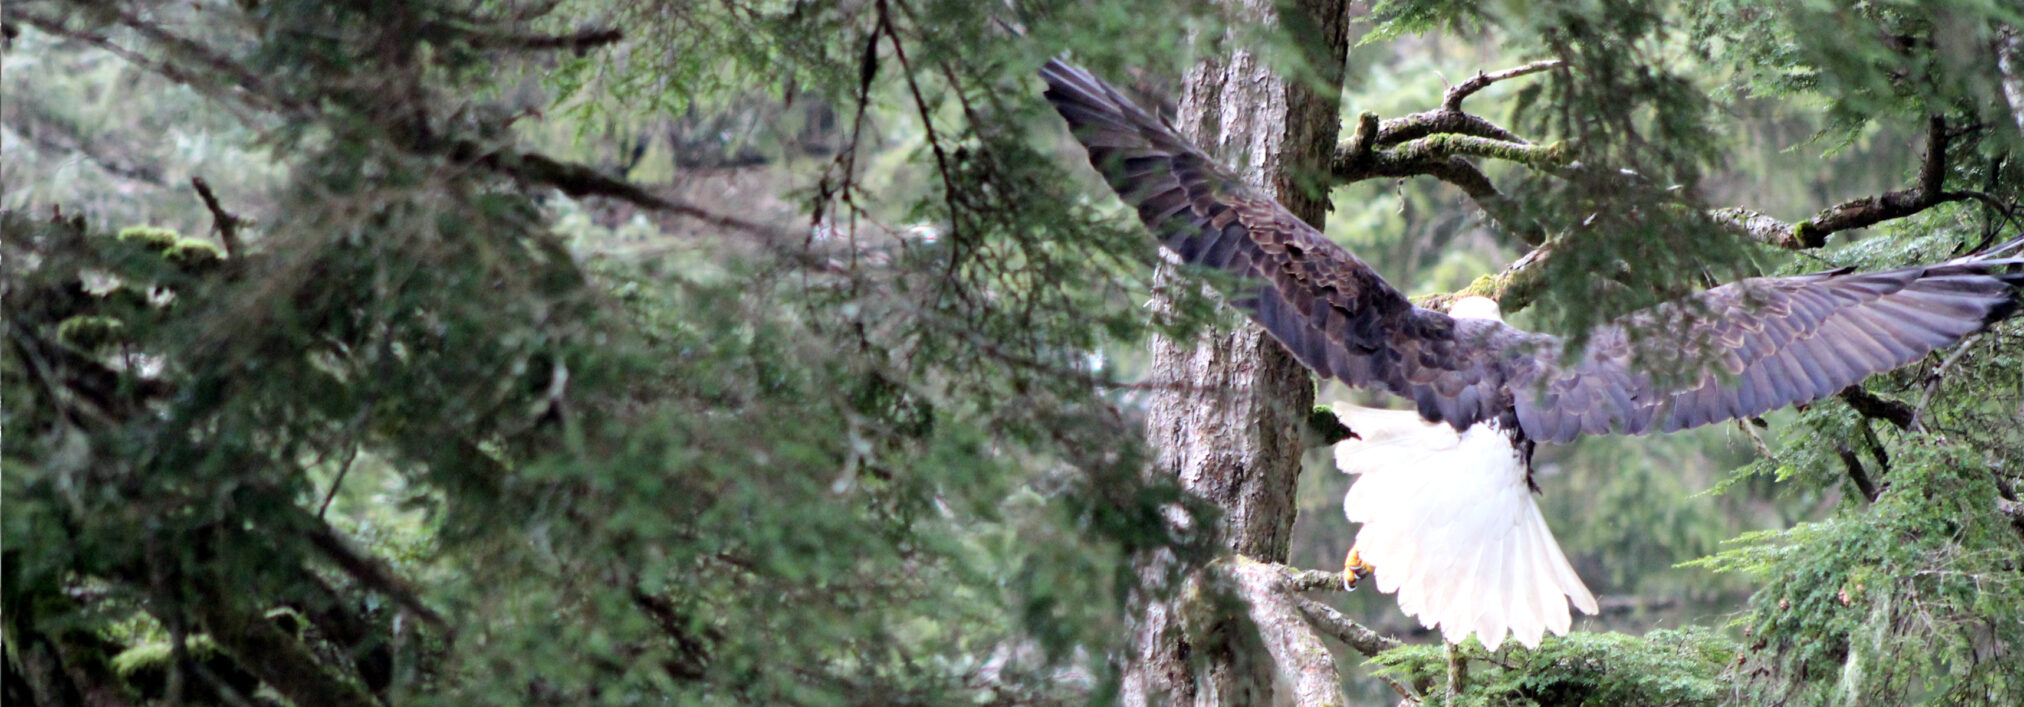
{"x": 1444, "y": 491}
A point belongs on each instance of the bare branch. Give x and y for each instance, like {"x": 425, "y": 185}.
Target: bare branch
{"x": 1919, "y": 417}
{"x": 1856, "y": 473}
{"x": 1297, "y": 651}
{"x": 1867, "y": 211}
{"x": 578, "y": 42}
{"x": 374, "y": 573}
{"x": 1873, "y": 406}
{"x": 1352, "y": 634}
{"x": 1453, "y": 100}
{"x": 226, "y": 222}
{"x": 578, "y": 180}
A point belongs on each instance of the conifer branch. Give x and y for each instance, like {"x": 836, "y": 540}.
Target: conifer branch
{"x": 1868, "y": 211}
{"x": 1453, "y": 100}
{"x": 1516, "y": 285}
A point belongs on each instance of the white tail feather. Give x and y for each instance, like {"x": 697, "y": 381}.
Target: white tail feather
{"x": 1450, "y": 524}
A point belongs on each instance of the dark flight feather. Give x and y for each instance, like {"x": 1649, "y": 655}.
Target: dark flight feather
{"x": 1752, "y": 346}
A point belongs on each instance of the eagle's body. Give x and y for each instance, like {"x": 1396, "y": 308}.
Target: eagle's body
{"x": 1450, "y": 516}
{"x": 1446, "y": 516}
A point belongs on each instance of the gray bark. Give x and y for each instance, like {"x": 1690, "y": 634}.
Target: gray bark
{"x": 1228, "y": 420}
{"x": 2010, "y": 65}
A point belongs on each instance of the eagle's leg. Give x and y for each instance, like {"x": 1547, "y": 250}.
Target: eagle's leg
{"x": 1354, "y": 569}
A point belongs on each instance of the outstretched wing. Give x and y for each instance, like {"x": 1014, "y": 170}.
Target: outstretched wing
{"x": 1757, "y": 345}
{"x": 1333, "y": 312}
{"x": 1748, "y": 347}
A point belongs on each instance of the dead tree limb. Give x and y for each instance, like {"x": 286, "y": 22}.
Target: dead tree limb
{"x": 226, "y": 222}
{"x": 1298, "y": 654}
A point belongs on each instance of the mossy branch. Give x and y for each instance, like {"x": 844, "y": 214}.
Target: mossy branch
{"x": 1513, "y": 289}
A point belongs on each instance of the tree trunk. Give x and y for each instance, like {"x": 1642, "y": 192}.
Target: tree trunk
{"x": 1232, "y": 405}
{"x": 2010, "y": 66}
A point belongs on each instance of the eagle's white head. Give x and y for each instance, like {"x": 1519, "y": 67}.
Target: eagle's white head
{"x": 1475, "y": 307}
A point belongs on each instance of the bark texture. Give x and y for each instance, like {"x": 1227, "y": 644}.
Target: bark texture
{"x": 1228, "y": 422}
{"x": 2010, "y": 64}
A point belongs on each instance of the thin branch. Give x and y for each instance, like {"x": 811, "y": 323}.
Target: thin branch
{"x": 1919, "y": 417}
{"x": 166, "y": 69}
{"x": 351, "y": 455}
{"x": 1867, "y": 211}
{"x": 1362, "y": 640}
{"x": 927, "y": 115}
{"x": 1877, "y": 407}
{"x": 1856, "y": 473}
{"x": 374, "y": 573}
{"x": 1453, "y": 100}
{"x": 578, "y": 42}
{"x": 1352, "y": 634}
{"x": 226, "y": 222}
{"x": 578, "y": 180}
{"x": 1302, "y": 660}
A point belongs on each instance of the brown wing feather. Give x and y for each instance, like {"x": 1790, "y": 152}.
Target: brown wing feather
{"x": 1333, "y": 312}
{"x": 1758, "y": 345}
{"x": 1749, "y": 347}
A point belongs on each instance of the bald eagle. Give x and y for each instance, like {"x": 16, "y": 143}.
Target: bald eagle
{"x": 1444, "y": 492}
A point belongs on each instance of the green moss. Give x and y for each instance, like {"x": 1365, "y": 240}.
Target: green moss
{"x": 192, "y": 254}
{"x": 89, "y": 332}
{"x": 1327, "y": 427}
{"x": 288, "y": 620}
{"x": 161, "y": 239}
{"x": 145, "y": 666}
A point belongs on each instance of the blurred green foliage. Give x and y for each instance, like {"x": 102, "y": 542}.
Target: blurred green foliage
{"x": 436, "y": 430}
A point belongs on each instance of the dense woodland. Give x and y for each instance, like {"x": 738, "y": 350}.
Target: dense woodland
{"x": 784, "y": 352}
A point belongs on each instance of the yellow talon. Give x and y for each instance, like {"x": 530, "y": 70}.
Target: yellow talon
{"x": 1354, "y": 569}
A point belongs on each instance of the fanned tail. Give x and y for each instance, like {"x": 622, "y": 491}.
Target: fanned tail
{"x": 1451, "y": 526}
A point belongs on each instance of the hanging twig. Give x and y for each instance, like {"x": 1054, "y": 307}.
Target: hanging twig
{"x": 1918, "y": 422}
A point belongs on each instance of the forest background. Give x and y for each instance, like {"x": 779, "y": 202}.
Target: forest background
{"x": 790, "y": 353}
